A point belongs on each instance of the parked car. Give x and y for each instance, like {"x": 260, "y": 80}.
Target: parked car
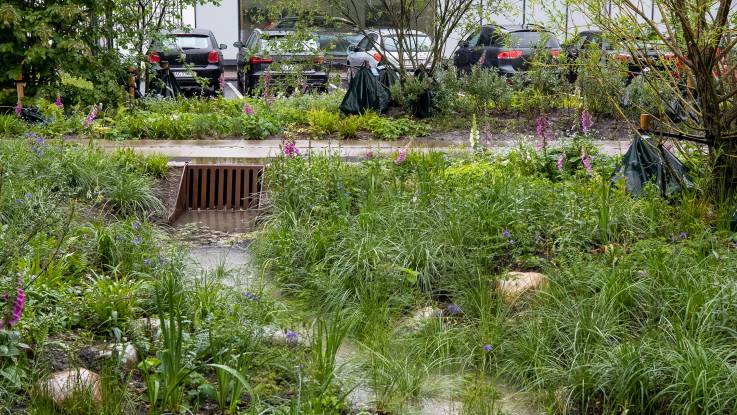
{"x": 285, "y": 58}
{"x": 191, "y": 55}
{"x": 508, "y": 49}
{"x": 380, "y": 47}
{"x": 337, "y": 46}
{"x": 648, "y": 54}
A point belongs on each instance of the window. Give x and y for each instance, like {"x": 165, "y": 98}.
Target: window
{"x": 531, "y": 39}
{"x": 416, "y": 44}
{"x": 473, "y": 40}
{"x": 368, "y": 42}
{"x": 185, "y": 42}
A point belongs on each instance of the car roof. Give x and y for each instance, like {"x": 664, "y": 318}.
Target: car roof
{"x": 518, "y": 28}
{"x": 392, "y": 32}
{"x": 195, "y": 31}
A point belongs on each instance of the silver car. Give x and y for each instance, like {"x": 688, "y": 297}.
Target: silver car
{"x": 380, "y": 47}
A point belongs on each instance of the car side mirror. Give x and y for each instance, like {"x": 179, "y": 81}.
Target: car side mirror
{"x": 223, "y": 46}
{"x": 236, "y": 45}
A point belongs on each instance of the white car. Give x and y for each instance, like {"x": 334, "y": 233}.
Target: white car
{"x": 381, "y": 46}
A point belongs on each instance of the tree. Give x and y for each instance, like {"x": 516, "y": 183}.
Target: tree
{"x": 696, "y": 34}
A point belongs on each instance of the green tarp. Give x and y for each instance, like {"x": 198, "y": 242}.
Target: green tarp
{"x": 365, "y": 92}
{"x": 645, "y": 162}
{"x": 166, "y": 85}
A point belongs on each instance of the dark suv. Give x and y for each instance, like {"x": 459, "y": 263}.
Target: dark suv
{"x": 290, "y": 62}
{"x": 508, "y": 49}
{"x": 191, "y": 55}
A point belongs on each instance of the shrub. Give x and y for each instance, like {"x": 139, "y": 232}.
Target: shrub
{"x": 349, "y": 127}
{"x": 487, "y": 88}
{"x": 601, "y": 81}
{"x": 323, "y": 122}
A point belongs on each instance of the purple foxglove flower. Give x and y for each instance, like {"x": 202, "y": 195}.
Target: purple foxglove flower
{"x": 401, "y": 156}
{"x": 587, "y": 164}
{"x": 17, "y": 307}
{"x": 247, "y": 109}
{"x": 561, "y": 161}
{"x": 18, "y": 109}
{"x": 90, "y": 117}
{"x": 488, "y": 347}
{"x": 58, "y": 102}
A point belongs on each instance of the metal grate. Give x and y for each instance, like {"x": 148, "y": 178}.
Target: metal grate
{"x": 218, "y": 187}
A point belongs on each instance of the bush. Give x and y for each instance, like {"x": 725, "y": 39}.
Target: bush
{"x": 486, "y": 88}
{"x": 601, "y": 81}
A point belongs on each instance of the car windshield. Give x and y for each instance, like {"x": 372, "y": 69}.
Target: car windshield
{"x": 338, "y": 43}
{"x": 288, "y": 44}
{"x": 531, "y": 39}
{"x": 418, "y": 44}
{"x": 187, "y": 42}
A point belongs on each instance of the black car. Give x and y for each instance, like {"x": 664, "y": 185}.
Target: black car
{"x": 508, "y": 49}
{"x": 290, "y": 62}
{"x": 647, "y": 54}
{"x": 191, "y": 55}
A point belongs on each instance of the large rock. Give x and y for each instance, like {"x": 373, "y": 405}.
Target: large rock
{"x": 277, "y": 335}
{"x": 63, "y": 384}
{"x": 517, "y": 283}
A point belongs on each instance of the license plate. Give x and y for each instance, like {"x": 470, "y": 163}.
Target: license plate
{"x": 179, "y": 74}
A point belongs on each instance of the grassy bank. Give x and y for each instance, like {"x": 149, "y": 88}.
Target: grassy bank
{"x": 636, "y": 316}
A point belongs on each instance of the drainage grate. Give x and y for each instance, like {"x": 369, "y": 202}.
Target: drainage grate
{"x": 218, "y": 187}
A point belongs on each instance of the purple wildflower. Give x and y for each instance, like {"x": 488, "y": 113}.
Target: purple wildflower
{"x": 506, "y": 234}
{"x": 147, "y": 262}
{"x": 454, "y": 309}
{"x": 19, "y": 201}
{"x": 561, "y": 161}
{"x": 488, "y": 347}
{"x": 683, "y": 235}
{"x": 58, "y": 102}
{"x": 586, "y": 162}
{"x": 541, "y": 129}
{"x": 90, "y": 117}
{"x": 17, "y": 307}
{"x": 247, "y": 109}
{"x": 18, "y": 109}
{"x": 586, "y": 121}
{"x": 292, "y": 337}
{"x": 369, "y": 154}
{"x": 251, "y": 296}
{"x": 137, "y": 240}
{"x": 401, "y": 156}
{"x": 29, "y": 196}
{"x": 290, "y": 148}
{"x": 136, "y": 225}
{"x": 511, "y": 241}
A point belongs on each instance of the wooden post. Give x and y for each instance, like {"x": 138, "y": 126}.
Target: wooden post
{"x": 645, "y": 122}
{"x": 131, "y": 83}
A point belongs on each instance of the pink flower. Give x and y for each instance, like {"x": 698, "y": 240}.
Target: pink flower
{"x": 58, "y": 102}
{"x": 370, "y": 154}
{"x": 401, "y": 156}
{"x": 586, "y": 163}
{"x": 290, "y": 148}
{"x": 90, "y": 117}
{"x": 586, "y": 121}
{"x": 561, "y": 161}
{"x": 541, "y": 130}
{"x": 18, "y": 109}
{"x": 247, "y": 109}
{"x": 18, "y": 307}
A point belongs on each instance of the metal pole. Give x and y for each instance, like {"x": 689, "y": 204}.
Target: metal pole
{"x": 524, "y": 7}
{"x": 652, "y": 10}
{"x": 566, "y": 34}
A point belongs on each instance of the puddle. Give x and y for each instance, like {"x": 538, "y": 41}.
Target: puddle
{"x": 221, "y": 222}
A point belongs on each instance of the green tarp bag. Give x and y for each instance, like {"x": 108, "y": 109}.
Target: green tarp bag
{"x": 166, "y": 85}
{"x": 365, "y": 92}
{"x": 388, "y": 77}
{"x": 644, "y": 162}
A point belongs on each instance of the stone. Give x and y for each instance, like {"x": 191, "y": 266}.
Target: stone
{"x": 277, "y": 335}
{"x": 517, "y": 283}
{"x": 126, "y": 353}
{"x": 147, "y": 326}
{"x": 63, "y": 384}
{"x": 419, "y": 318}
